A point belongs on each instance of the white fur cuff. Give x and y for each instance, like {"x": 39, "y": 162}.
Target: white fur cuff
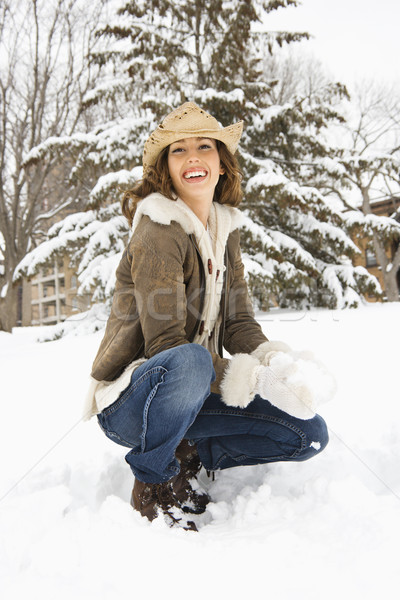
{"x": 265, "y": 349}
{"x": 239, "y": 380}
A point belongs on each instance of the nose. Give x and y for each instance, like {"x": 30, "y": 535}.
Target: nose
{"x": 192, "y": 155}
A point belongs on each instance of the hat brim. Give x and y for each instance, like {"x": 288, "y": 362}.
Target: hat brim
{"x": 162, "y": 137}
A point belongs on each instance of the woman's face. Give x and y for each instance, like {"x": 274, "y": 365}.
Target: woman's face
{"x": 194, "y": 167}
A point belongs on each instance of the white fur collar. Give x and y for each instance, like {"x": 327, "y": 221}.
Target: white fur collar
{"x": 162, "y": 210}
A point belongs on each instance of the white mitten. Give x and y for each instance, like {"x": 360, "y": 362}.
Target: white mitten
{"x": 277, "y": 391}
{"x": 267, "y": 350}
{"x": 295, "y": 383}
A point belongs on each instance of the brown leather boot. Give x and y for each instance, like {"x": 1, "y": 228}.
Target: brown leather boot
{"x": 184, "y": 484}
{"x": 152, "y": 498}
{"x": 144, "y": 499}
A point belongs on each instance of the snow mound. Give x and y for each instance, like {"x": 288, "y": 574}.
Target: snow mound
{"x": 83, "y": 323}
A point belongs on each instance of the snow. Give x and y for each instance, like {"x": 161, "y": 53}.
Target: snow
{"x": 78, "y": 324}
{"x": 100, "y": 276}
{"x": 284, "y": 241}
{"x": 325, "y": 528}
{"x": 54, "y": 143}
{"x": 205, "y": 96}
{"x": 254, "y": 267}
{"x": 309, "y": 224}
{"x": 267, "y": 180}
{"x": 269, "y": 114}
{"x": 332, "y": 165}
{"x": 113, "y": 180}
{"x": 106, "y": 88}
{"x": 372, "y": 223}
{"x": 94, "y": 240}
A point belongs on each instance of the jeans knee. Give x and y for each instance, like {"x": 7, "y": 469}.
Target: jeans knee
{"x": 196, "y": 361}
{"x": 191, "y": 366}
{"x": 317, "y": 438}
{"x": 321, "y": 432}
{"x": 199, "y": 365}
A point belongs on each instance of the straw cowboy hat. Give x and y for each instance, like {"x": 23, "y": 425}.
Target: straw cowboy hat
{"x": 188, "y": 120}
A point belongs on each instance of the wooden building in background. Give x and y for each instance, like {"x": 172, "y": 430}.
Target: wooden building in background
{"x": 51, "y": 296}
{"x": 382, "y": 208}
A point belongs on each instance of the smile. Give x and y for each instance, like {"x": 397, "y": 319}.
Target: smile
{"x": 192, "y": 174}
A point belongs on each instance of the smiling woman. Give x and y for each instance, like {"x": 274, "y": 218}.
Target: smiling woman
{"x": 160, "y": 385}
{"x": 194, "y": 166}
{"x": 167, "y": 141}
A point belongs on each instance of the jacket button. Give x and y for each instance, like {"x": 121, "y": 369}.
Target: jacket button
{"x": 209, "y": 263}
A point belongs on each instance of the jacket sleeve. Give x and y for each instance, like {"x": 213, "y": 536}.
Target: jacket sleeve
{"x": 242, "y": 332}
{"x": 157, "y": 273}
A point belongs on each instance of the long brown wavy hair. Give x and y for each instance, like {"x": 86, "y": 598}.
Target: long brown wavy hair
{"x": 157, "y": 179}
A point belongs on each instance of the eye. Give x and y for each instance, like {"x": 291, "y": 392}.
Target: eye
{"x": 205, "y": 146}
{"x": 177, "y": 150}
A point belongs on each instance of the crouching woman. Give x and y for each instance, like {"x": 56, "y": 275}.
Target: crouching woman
{"x": 160, "y": 384}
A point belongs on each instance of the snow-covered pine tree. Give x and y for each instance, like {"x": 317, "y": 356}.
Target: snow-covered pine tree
{"x": 161, "y": 53}
{"x": 302, "y": 236}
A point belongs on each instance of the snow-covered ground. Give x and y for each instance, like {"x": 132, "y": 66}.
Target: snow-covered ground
{"x": 323, "y": 529}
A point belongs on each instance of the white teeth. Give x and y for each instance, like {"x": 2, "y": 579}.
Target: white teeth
{"x": 195, "y": 174}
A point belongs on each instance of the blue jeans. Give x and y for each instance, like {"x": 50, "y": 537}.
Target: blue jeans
{"x": 169, "y": 399}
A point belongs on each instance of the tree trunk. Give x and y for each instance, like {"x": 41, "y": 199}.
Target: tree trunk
{"x": 201, "y": 80}
{"x": 391, "y": 289}
{"x": 389, "y": 277}
{"x": 9, "y": 308}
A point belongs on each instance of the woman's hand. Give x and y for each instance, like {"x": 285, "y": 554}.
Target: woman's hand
{"x": 294, "y": 382}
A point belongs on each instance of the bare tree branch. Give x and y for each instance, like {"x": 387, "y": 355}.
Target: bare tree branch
{"x": 43, "y": 76}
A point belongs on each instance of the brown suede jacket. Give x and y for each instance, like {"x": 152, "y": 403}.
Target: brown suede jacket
{"x": 159, "y": 296}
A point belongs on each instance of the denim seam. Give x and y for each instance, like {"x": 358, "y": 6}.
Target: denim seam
{"x": 221, "y": 458}
{"x": 299, "y": 432}
{"x": 146, "y": 412}
{"x": 254, "y": 416}
{"x": 118, "y": 403}
{"x": 244, "y": 456}
{"x": 111, "y": 434}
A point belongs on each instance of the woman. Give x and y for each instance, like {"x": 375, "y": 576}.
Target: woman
{"x": 160, "y": 384}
